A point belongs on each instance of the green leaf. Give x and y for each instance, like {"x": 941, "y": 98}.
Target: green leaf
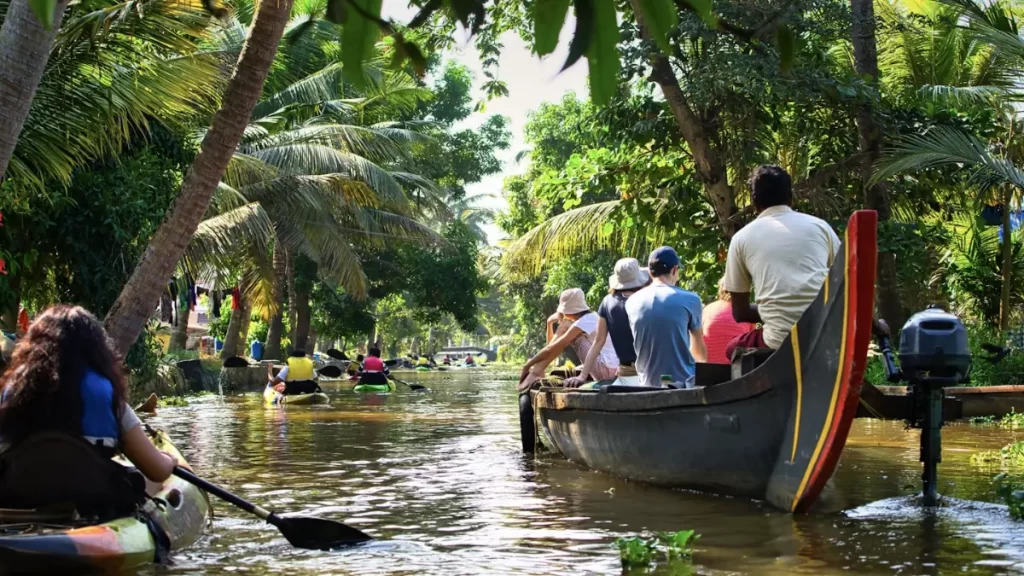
{"x": 584, "y": 30}
{"x": 548, "y": 18}
{"x": 357, "y": 39}
{"x": 602, "y": 55}
{"x": 705, "y": 9}
{"x": 786, "y": 43}
{"x": 44, "y": 11}
{"x": 661, "y": 17}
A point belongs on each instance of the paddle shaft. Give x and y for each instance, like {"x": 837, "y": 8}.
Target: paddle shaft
{"x": 223, "y": 494}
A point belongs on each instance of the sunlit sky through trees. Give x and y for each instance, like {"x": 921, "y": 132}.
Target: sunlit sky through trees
{"x": 531, "y": 82}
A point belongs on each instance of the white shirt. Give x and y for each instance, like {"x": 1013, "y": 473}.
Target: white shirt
{"x": 588, "y": 323}
{"x": 782, "y": 256}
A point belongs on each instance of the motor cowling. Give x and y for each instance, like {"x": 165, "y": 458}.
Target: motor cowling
{"x": 934, "y": 342}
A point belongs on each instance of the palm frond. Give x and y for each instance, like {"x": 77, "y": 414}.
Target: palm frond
{"x": 219, "y": 239}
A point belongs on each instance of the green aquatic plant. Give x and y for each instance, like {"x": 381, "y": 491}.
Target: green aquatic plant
{"x": 674, "y": 548}
{"x": 1011, "y": 491}
{"x": 173, "y": 401}
{"x": 1012, "y": 420}
{"x": 1010, "y": 455}
{"x": 982, "y": 419}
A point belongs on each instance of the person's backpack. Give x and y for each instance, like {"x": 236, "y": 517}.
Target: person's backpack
{"x": 53, "y": 468}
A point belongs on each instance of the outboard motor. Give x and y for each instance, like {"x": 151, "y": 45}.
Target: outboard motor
{"x": 933, "y": 354}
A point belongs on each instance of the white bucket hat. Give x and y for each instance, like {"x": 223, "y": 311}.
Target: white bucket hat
{"x": 628, "y": 275}
{"x": 572, "y": 301}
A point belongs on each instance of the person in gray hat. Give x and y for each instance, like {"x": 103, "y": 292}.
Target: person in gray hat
{"x": 614, "y": 322}
{"x": 666, "y": 325}
{"x": 577, "y": 328}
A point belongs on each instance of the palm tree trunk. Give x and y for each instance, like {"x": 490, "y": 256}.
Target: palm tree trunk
{"x": 272, "y": 347}
{"x": 302, "y": 338}
{"x": 166, "y": 307}
{"x": 292, "y": 312}
{"x": 134, "y": 305}
{"x": 869, "y": 132}
{"x": 243, "y": 332}
{"x": 24, "y": 50}
{"x": 234, "y": 333}
{"x": 371, "y": 340}
{"x": 699, "y": 138}
{"x": 1004, "y": 297}
{"x": 179, "y": 334}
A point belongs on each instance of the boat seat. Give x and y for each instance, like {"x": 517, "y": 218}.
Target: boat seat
{"x": 744, "y": 360}
{"x": 708, "y": 374}
{"x": 53, "y": 468}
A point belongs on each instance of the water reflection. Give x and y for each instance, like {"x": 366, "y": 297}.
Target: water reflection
{"x": 438, "y": 477}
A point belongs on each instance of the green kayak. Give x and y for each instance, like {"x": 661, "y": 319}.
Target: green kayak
{"x": 390, "y": 387}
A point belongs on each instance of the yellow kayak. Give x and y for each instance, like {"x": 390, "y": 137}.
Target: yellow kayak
{"x": 272, "y": 398}
{"x": 179, "y": 513}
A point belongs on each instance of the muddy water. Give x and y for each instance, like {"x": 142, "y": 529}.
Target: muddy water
{"x": 438, "y": 477}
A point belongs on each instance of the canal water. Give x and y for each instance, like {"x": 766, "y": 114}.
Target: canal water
{"x": 439, "y": 479}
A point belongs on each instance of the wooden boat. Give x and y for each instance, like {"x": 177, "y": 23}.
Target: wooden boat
{"x": 774, "y": 433}
{"x": 178, "y": 514}
{"x": 893, "y": 403}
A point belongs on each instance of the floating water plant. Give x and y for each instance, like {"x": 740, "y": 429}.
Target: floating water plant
{"x": 673, "y": 549}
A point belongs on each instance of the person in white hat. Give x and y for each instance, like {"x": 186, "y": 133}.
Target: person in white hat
{"x": 577, "y": 328}
{"x": 613, "y": 321}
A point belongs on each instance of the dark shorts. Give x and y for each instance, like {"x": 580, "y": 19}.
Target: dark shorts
{"x": 301, "y": 387}
{"x": 752, "y": 339}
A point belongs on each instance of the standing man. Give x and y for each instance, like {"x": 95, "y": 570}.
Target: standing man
{"x": 783, "y": 255}
{"x": 666, "y": 324}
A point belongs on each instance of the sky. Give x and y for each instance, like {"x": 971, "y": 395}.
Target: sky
{"x": 531, "y": 82}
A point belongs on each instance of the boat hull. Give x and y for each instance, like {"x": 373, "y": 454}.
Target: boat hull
{"x": 272, "y": 398}
{"x": 775, "y": 433}
{"x": 180, "y": 514}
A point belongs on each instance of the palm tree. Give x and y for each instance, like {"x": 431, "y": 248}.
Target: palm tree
{"x": 127, "y": 317}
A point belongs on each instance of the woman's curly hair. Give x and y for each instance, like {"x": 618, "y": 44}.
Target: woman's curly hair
{"x": 41, "y": 389}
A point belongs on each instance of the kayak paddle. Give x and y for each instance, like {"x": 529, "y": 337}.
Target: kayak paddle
{"x": 301, "y": 532}
{"x": 411, "y": 386}
{"x": 336, "y": 354}
{"x": 331, "y": 371}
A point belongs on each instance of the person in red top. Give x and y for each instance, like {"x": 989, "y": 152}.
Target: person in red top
{"x": 720, "y": 327}
{"x": 374, "y": 370}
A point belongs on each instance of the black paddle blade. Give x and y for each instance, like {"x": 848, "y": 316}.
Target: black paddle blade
{"x": 330, "y": 371}
{"x": 236, "y": 362}
{"x": 336, "y": 354}
{"x": 317, "y": 533}
{"x": 391, "y": 362}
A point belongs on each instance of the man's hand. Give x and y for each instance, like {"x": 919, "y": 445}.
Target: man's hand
{"x": 280, "y": 388}
{"x": 524, "y": 373}
{"x": 574, "y": 382}
{"x": 880, "y": 328}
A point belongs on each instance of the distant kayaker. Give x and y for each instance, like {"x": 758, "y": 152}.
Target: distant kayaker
{"x": 354, "y": 367}
{"x": 720, "y": 328}
{"x": 298, "y": 377}
{"x": 65, "y": 377}
{"x": 577, "y": 328}
{"x": 666, "y": 324}
{"x": 469, "y": 360}
{"x": 374, "y": 370}
{"x": 422, "y": 361}
{"x": 613, "y": 321}
{"x": 447, "y": 361}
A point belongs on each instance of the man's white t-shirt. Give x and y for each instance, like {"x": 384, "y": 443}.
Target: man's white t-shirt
{"x": 783, "y": 257}
{"x": 588, "y": 323}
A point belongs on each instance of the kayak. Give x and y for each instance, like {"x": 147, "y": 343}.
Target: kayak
{"x": 179, "y": 512}
{"x": 272, "y": 398}
{"x": 423, "y": 368}
{"x": 389, "y": 387}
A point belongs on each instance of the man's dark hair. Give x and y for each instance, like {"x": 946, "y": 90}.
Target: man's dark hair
{"x": 359, "y": 357}
{"x": 298, "y": 353}
{"x": 374, "y": 352}
{"x": 770, "y": 185}
{"x": 658, "y": 269}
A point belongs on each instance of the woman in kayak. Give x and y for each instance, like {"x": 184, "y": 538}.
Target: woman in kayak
{"x": 374, "y": 370}
{"x": 65, "y": 377}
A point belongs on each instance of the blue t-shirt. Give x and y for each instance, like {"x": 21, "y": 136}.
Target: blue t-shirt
{"x": 661, "y": 318}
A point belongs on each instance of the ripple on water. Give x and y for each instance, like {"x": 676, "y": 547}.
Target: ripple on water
{"x": 438, "y": 477}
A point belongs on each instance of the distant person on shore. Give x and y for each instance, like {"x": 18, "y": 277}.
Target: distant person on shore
{"x": 720, "y": 328}
{"x": 577, "y": 328}
{"x": 613, "y": 321}
{"x": 666, "y": 324}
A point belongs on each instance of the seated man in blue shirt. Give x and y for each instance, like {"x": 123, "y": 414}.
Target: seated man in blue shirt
{"x": 666, "y": 325}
